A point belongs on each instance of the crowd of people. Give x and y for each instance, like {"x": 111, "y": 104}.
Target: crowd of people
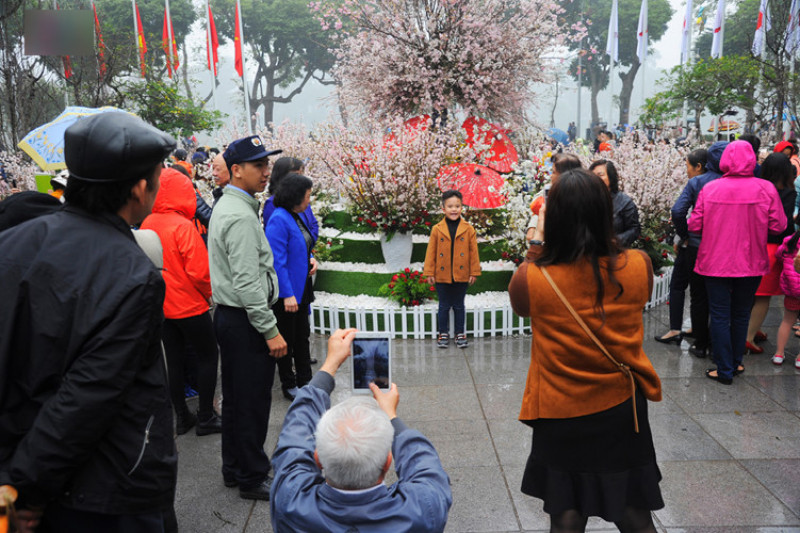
{"x": 91, "y": 403}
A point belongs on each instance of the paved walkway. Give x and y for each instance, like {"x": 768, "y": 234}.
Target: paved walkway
{"x": 730, "y": 456}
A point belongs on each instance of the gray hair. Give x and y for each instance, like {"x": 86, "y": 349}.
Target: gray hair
{"x": 353, "y": 441}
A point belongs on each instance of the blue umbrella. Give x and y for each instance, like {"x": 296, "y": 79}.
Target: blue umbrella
{"x": 45, "y": 144}
{"x": 560, "y": 136}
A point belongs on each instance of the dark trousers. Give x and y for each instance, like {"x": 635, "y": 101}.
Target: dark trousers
{"x": 451, "y": 295}
{"x": 294, "y": 368}
{"x": 698, "y": 305}
{"x": 248, "y": 371}
{"x": 681, "y": 270}
{"x": 729, "y": 302}
{"x": 198, "y": 331}
{"x": 60, "y": 519}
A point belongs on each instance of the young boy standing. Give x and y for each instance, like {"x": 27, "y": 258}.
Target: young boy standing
{"x": 452, "y": 263}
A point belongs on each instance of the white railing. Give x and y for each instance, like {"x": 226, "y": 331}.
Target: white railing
{"x": 660, "y": 289}
{"x": 416, "y": 322}
{"x": 420, "y": 322}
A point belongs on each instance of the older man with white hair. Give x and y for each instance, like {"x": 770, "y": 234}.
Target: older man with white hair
{"x": 331, "y": 462}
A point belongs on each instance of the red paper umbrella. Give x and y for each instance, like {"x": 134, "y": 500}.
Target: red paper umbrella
{"x": 501, "y": 153}
{"x": 411, "y": 128}
{"x": 479, "y": 185}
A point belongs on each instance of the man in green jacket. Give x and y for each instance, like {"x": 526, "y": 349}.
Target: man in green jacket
{"x": 244, "y": 287}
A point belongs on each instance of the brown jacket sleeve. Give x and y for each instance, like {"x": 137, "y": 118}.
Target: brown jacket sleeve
{"x": 474, "y": 259}
{"x": 518, "y": 291}
{"x": 430, "y": 255}
{"x": 649, "y": 272}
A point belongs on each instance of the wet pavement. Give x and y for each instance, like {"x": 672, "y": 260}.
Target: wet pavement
{"x": 730, "y": 455}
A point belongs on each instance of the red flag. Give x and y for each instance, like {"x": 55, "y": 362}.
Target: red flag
{"x": 165, "y": 42}
{"x": 67, "y": 63}
{"x": 142, "y": 43}
{"x": 237, "y": 44}
{"x": 101, "y": 47}
{"x": 172, "y": 58}
{"x": 67, "y": 67}
{"x": 212, "y": 43}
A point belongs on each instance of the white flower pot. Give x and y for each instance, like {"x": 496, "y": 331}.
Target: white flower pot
{"x": 397, "y": 250}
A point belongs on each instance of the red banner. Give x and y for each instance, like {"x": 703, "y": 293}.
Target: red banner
{"x": 141, "y": 41}
{"x": 237, "y": 44}
{"x": 171, "y": 58}
{"x": 212, "y": 43}
{"x": 101, "y": 47}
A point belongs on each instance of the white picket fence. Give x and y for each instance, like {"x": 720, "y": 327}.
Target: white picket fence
{"x": 660, "y": 289}
{"x": 420, "y": 322}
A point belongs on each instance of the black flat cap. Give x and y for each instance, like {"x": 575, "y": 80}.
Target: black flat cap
{"x": 114, "y": 147}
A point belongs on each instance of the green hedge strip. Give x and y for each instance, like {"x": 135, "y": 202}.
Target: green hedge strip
{"x": 355, "y": 283}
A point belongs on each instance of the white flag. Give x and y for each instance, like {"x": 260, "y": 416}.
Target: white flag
{"x": 612, "y": 44}
{"x": 716, "y": 44}
{"x": 762, "y": 27}
{"x": 641, "y": 33}
{"x": 793, "y": 29}
{"x": 687, "y": 32}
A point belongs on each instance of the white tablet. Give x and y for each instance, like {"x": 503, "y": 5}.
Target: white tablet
{"x": 371, "y": 362}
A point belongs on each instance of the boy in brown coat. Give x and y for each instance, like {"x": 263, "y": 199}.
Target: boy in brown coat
{"x": 452, "y": 263}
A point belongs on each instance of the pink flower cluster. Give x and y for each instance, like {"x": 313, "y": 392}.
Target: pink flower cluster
{"x": 405, "y": 57}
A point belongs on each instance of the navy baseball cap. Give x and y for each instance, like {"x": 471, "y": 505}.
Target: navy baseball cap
{"x": 246, "y": 149}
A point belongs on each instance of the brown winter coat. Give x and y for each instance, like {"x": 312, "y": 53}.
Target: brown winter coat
{"x": 465, "y": 261}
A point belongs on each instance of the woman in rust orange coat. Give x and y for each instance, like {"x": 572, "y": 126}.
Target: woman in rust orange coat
{"x": 588, "y": 372}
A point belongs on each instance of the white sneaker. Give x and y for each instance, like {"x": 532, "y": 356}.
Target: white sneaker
{"x": 777, "y": 359}
{"x": 797, "y": 362}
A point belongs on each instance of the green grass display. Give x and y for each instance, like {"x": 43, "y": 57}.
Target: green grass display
{"x": 370, "y": 251}
{"x": 355, "y": 283}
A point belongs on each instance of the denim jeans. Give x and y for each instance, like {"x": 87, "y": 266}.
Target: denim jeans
{"x": 451, "y": 295}
{"x": 729, "y": 303}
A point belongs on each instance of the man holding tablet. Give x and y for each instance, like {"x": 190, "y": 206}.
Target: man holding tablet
{"x": 330, "y": 462}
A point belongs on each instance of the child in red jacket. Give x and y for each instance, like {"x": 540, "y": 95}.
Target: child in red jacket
{"x": 452, "y": 263}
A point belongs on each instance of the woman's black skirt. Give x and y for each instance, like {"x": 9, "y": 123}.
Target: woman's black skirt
{"x": 595, "y": 464}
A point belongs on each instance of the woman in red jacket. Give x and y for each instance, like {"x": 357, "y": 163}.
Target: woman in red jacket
{"x": 186, "y": 303}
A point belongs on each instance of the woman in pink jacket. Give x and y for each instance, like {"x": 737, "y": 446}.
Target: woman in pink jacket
{"x": 790, "y": 286}
{"x": 734, "y": 214}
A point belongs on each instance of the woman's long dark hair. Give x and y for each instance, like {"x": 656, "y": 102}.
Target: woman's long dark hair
{"x": 579, "y": 225}
{"x": 778, "y": 169}
{"x": 611, "y": 172}
{"x": 282, "y": 168}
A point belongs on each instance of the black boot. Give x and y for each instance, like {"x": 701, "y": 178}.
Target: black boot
{"x": 184, "y": 420}
{"x": 212, "y": 425}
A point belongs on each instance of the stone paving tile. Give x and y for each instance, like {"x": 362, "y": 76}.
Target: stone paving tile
{"x": 431, "y": 370}
{"x": 781, "y": 388}
{"x": 499, "y": 369}
{"x": 679, "y": 438}
{"x": 729, "y": 529}
{"x": 730, "y": 455}
{"x": 702, "y": 395}
{"x": 481, "y": 501}
{"x": 501, "y": 400}
{"x": 780, "y": 477}
{"x": 773, "y": 435}
{"x": 715, "y": 494}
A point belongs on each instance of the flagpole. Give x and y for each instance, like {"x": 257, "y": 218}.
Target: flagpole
{"x": 170, "y": 37}
{"x": 135, "y": 28}
{"x": 244, "y": 69}
{"x": 66, "y": 84}
{"x": 209, "y": 48}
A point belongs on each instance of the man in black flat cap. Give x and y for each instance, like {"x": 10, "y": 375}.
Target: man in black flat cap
{"x": 86, "y": 430}
{"x": 245, "y": 287}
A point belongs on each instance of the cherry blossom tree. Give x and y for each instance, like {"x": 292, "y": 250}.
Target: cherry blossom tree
{"x": 405, "y": 57}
